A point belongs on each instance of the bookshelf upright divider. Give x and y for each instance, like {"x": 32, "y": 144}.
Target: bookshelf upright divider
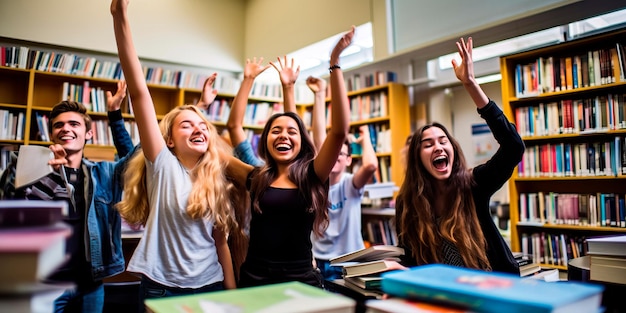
{"x": 568, "y": 103}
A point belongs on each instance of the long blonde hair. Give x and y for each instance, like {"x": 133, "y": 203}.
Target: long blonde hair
{"x": 212, "y": 196}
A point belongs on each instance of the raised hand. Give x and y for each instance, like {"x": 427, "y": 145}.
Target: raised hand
{"x": 208, "y": 93}
{"x": 118, "y": 6}
{"x": 464, "y": 71}
{"x": 114, "y": 102}
{"x": 254, "y": 68}
{"x": 59, "y": 157}
{"x": 342, "y": 44}
{"x": 288, "y": 75}
{"x": 316, "y": 84}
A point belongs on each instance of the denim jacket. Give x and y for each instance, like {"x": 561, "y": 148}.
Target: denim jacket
{"x": 103, "y": 222}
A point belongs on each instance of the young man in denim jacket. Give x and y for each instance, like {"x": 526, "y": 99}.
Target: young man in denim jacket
{"x": 92, "y": 189}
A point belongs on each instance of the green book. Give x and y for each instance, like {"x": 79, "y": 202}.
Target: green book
{"x": 292, "y": 297}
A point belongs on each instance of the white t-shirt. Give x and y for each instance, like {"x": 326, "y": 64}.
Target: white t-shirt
{"x": 343, "y": 234}
{"x": 175, "y": 250}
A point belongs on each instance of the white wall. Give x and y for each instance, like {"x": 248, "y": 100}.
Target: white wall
{"x": 463, "y": 115}
{"x": 205, "y": 33}
{"x": 277, "y": 27}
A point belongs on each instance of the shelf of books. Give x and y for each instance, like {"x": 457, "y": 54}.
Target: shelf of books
{"x": 567, "y": 101}
{"x": 384, "y": 109}
{"x": 32, "y": 81}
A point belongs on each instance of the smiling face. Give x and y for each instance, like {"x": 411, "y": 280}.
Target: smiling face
{"x": 284, "y": 139}
{"x": 344, "y": 159}
{"x": 188, "y": 135}
{"x": 70, "y": 131}
{"x": 436, "y": 153}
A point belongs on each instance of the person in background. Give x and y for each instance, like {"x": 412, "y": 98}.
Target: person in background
{"x": 343, "y": 234}
{"x": 289, "y": 193}
{"x": 442, "y": 208}
{"x": 177, "y": 188}
{"x": 91, "y": 189}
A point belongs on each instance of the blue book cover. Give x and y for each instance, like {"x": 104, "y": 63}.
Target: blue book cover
{"x": 482, "y": 291}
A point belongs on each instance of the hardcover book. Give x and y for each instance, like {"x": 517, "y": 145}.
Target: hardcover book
{"x": 370, "y": 268}
{"x": 28, "y": 213}
{"x": 398, "y": 305}
{"x": 491, "y": 292}
{"x": 377, "y": 252}
{"x": 292, "y": 297}
{"x": 607, "y": 245}
{"x": 28, "y": 256}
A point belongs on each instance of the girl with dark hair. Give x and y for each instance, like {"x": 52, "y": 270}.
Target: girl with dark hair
{"x": 442, "y": 209}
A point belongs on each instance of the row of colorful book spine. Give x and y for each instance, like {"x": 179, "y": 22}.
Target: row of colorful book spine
{"x": 599, "y": 209}
{"x": 552, "y": 249}
{"x": 572, "y": 116}
{"x": 554, "y": 74}
{"x": 602, "y": 158}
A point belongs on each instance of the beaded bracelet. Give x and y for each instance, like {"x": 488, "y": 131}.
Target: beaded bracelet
{"x": 336, "y": 66}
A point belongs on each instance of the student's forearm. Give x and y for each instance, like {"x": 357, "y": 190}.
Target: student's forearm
{"x": 476, "y": 93}
{"x": 289, "y": 97}
{"x": 368, "y": 155}
{"x": 340, "y": 122}
{"x": 318, "y": 120}
{"x": 237, "y": 112}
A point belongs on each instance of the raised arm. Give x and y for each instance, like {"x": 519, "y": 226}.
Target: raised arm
{"x": 151, "y": 140}
{"x": 369, "y": 161}
{"x": 208, "y": 93}
{"x": 465, "y": 73}
{"x": 121, "y": 138}
{"x": 340, "y": 120}
{"x": 288, "y": 77}
{"x": 318, "y": 120}
{"x": 238, "y": 109}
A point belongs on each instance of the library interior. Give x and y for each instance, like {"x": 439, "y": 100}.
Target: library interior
{"x": 556, "y": 69}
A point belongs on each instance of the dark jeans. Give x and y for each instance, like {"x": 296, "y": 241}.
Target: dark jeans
{"x": 81, "y": 299}
{"x": 149, "y": 289}
{"x": 256, "y": 272}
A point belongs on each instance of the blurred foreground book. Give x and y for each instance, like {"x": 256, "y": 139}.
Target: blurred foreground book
{"x": 482, "y": 291}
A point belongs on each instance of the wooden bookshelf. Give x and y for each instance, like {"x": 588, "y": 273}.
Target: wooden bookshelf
{"x": 575, "y": 134}
{"x": 29, "y": 89}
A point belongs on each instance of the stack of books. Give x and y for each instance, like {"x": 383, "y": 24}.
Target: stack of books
{"x": 527, "y": 266}
{"x": 362, "y": 268}
{"x": 607, "y": 258}
{"x": 490, "y": 292}
{"x": 32, "y": 246}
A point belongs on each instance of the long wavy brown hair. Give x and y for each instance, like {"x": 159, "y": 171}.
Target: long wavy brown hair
{"x": 314, "y": 191}
{"x": 416, "y": 217}
{"x": 213, "y": 196}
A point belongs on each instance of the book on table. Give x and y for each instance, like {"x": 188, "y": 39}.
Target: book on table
{"x": 292, "y": 297}
{"x": 371, "y": 267}
{"x": 489, "y": 292}
{"x": 400, "y": 305}
{"x": 370, "y": 282}
{"x": 29, "y": 255}
{"x": 29, "y": 213}
{"x": 607, "y": 245}
{"x": 611, "y": 269}
{"x": 376, "y": 252}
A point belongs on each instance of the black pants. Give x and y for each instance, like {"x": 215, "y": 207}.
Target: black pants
{"x": 257, "y": 272}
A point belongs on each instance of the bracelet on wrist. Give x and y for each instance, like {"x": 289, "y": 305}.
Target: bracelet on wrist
{"x": 332, "y": 67}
